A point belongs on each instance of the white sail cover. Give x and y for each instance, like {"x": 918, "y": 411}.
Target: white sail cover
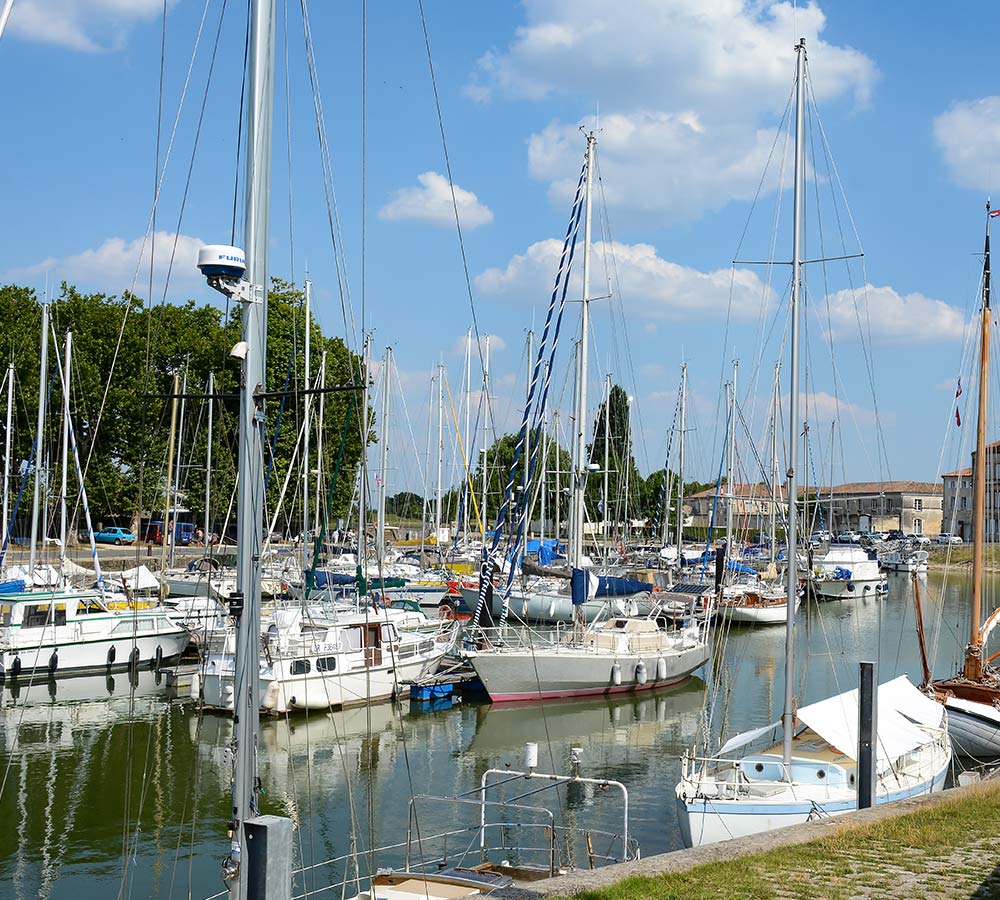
{"x": 901, "y": 707}
{"x": 746, "y": 737}
{"x": 139, "y": 579}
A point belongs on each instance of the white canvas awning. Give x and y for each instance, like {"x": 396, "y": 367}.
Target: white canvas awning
{"x": 900, "y": 706}
{"x": 139, "y": 579}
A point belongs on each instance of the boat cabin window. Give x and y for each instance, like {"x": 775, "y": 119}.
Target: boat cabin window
{"x": 6, "y": 613}
{"x": 37, "y": 616}
{"x": 300, "y": 667}
{"x": 89, "y": 606}
{"x": 326, "y": 664}
{"x": 388, "y": 634}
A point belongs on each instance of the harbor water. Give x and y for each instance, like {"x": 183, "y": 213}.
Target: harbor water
{"x": 116, "y": 788}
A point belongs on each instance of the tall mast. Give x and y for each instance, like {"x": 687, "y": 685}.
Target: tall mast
{"x": 43, "y": 377}
{"x": 246, "y": 706}
{"x": 440, "y": 483}
{"x": 427, "y": 467}
{"x": 307, "y": 384}
{"x": 177, "y": 464}
{"x": 168, "y": 525}
{"x": 580, "y": 451}
{"x": 607, "y": 463}
{"x": 680, "y": 463}
{"x": 628, "y": 464}
{"x": 973, "y": 653}
{"x": 788, "y": 714}
{"x": 63, "y": 529}
{"x": 468, "y": 430}
{"x": 486, "y": 427}
{"x": 208, "y": 463}
{"x": 384, "y": 454}
{"x": 557, "y": 494}
{"x": 543, "y": 475}
{"x": 7, "y": 445}
{"x": 774, "y": 458}
{"x": 527, "y": 445}
{"x": 731, "y": 464}
{"x": 363, "y": 470}
{"x": 320, "y": 512}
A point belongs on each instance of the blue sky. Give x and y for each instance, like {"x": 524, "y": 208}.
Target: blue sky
{"x": 689, "y": 95}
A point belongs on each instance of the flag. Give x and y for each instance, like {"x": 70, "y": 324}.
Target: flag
{"x": 958, "y": 392}
{"x": 958, "y": 418}
{"x": 994, "y": 212}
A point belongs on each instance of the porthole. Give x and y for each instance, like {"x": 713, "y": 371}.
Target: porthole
{"x": 851, "y": 780}
{"x": 759, "y": 767}
{"x": 821, "y": 774}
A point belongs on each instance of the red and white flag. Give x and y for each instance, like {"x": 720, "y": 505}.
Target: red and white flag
{"x": 958, "y": 418}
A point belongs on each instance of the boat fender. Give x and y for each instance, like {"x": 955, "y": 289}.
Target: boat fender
{"x": 552, "y": 610}
{"x": 850, "y": 587}
{"x": 133, "y": 659}
{"x": 111, "y": 655}
{"x": 640, "y": 673}
{"x": 53, "y": 662}
{"x": 661, "y": 669}
{"x": 15, "y": 667}
{"x": 270, "y": 696}
{"x": 616, "y": 674}
{"x": 158, "y": 658}
{"x": 195, "y": 689}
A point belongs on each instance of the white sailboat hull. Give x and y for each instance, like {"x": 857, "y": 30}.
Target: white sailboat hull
{"x": 510, "y": 675}
{"x": 774, "y": 614}
{"x": 705, "y": 820}
{"x": 856, "y": 589}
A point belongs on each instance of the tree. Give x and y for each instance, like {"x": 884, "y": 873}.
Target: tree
{"x": 123, "y": 366}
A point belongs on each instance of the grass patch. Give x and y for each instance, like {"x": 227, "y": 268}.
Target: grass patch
{"x": 835, "y": 866}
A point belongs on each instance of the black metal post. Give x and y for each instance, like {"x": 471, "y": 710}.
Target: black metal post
{"x": 867, "y": 733}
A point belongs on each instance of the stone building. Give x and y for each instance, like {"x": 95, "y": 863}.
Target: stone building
{"x": 913, "y": 507}
{"x": 958, "y": 497}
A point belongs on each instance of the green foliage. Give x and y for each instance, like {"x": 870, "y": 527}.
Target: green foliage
{"x": 125, "y": 359}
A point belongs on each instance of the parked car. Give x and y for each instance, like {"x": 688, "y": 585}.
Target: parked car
{"x": 919, "y": 540}
{"x": 820, "y": 537}
{"x": 945, "y": 538}
{"x": 114, "y": 535}
{"x": 848, "y": 537}
{"x": 894, "y": 535}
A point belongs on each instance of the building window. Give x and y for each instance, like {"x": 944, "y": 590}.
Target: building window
{"x": 874, "y": 503}
{"x": 918, "y": 526}
{"x": 962, "y": 502}
{"x": 918, "y": 503}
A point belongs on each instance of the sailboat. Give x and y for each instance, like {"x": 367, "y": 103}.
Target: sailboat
{"x": 812, "y": 771}
{"x": 972, "y": 695}
{"x": 611, "y": 655}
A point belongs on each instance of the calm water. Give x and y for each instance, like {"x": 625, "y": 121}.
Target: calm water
{"x": 127, "y": 794}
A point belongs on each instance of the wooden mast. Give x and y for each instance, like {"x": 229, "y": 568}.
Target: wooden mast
{"x": 973, "y": 653}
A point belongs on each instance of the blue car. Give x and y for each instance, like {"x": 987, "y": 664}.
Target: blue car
{"x": 114, "y": 535}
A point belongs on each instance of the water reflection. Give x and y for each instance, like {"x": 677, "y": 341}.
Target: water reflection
{"x": 94, "y": 765}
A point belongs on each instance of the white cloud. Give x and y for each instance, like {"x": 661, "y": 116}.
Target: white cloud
{"x": 671, "y": 165}
{"x": 652, "y": 287}
{"x": 113, "y": 265}
{"x": 497, "y": 343}
{"x": 690, "y": 91}
{"x": 822, "y": 407}
{"x": 90, "y": 26}
{"x": 888, "y": 316}
{"x": 969, "y": 137}
{"x": 432, "y": 202}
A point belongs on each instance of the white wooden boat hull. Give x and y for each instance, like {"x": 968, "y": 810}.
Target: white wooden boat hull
{"x": 974, "y": 729}
{"x": 774, "y": 614}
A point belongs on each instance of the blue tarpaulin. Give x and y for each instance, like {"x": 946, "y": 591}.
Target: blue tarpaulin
{"x": 611, "y": 586}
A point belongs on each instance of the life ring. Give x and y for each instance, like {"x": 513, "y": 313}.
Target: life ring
{"x": 657, "y": 589}
{"x": 445, "y": 612}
